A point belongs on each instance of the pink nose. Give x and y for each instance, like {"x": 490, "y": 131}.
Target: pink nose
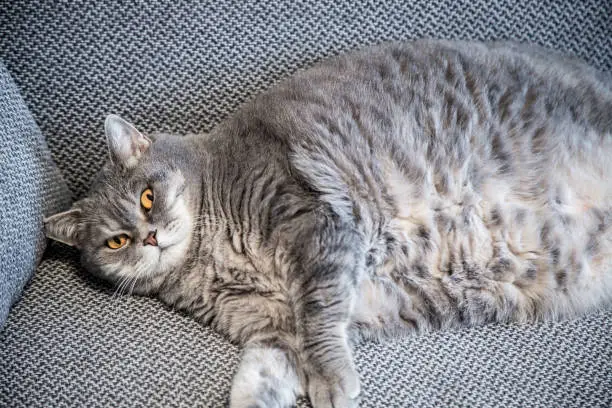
{"x": 150, "y": 239}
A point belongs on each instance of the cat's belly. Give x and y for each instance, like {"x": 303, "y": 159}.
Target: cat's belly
{"x": 493, "y": 253}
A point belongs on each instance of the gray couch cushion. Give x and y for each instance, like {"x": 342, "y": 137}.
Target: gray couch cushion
{"x": 30, "y": 186}
{"x": 68, "y": 343}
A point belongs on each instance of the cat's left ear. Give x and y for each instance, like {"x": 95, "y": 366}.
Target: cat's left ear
{"x": 64, "y": 227}
{"x": 125, "y": 143}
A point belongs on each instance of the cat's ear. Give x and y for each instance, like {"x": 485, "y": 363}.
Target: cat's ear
{"x": 125, "y": 143}
{"x": 64, "y": 227}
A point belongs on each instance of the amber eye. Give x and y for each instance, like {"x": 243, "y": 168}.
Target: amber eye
{"x": 146, "y": 199}
{"x": 118, "y": 241}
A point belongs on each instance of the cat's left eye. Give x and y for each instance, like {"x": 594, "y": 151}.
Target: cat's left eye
{"x": 146, "y": 199}
{"x": 118, "y": 241}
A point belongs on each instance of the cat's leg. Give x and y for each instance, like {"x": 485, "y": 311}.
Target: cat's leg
{"x": 267, "y": 377}
{"x": 327, "y": 261}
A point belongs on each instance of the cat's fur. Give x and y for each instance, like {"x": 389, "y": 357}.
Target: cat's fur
{"x": 400, "y": 189}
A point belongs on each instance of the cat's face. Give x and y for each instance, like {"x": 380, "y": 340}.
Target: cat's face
{"x": 136, "y": 222}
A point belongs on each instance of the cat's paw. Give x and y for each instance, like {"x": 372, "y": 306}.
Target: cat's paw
{"x": 266, "y": 378}
{"x": 334, "y": 390}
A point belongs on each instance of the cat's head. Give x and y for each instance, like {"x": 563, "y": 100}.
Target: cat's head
{"x": 137, "y": 219}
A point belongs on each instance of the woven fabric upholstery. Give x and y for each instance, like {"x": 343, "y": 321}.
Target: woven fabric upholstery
{"x": 70, "y": 343}
{"x": 181, "y": 67}
{"x": 30, "y": 186}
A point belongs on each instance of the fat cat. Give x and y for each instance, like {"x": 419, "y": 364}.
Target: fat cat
{"x": 387, "y": 192}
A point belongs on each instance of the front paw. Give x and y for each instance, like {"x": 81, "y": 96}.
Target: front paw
{"x": 339, "y": 389}
{"x": 266, "y": 378}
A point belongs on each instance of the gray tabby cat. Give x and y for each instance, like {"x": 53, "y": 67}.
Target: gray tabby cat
{"x": 400, "y": 189}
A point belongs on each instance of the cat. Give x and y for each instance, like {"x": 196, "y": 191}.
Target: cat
{"x": 390, "y": 191}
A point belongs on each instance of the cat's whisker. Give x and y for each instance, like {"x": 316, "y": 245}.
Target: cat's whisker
{"x": 118, "y": 291}
{"x": 116, "y": 296}
{"x": 137, "y": 276}
{"x": 117, "y": 288}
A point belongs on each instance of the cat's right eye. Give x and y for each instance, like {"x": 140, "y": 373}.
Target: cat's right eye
{"x": 146, "y": 199}
{"x": 118, "y": 241}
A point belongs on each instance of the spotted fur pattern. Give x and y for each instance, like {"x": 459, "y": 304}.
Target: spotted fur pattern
{"x": 395, "y": 190}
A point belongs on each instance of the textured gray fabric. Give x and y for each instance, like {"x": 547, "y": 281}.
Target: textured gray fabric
{"x": 182, "y": 67}
{"x": 30, "y": 186}
{"x": 67, "y": 343}
{"x": 179, "y": 66}
{"x": 70, "y": 343}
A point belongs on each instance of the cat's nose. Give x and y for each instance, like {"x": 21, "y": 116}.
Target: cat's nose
{"x": 150, "y": 239}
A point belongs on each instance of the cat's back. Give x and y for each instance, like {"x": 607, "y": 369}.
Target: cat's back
{"x": 437, "y": 101}
{"x": 453, "y": 82}
{"x": 427, "y": 109}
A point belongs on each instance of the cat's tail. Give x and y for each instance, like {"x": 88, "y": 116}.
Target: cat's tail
{"x": 267, "y": 377}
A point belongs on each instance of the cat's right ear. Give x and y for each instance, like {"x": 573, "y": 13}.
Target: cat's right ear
{"x": 64, "y": 227}
{"x": 125, "y": 143}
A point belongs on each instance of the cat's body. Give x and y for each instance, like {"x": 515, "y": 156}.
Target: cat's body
{"x": 403, "y": 188}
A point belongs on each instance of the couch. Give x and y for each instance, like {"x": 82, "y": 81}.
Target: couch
{"x": 181, "y": 67}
